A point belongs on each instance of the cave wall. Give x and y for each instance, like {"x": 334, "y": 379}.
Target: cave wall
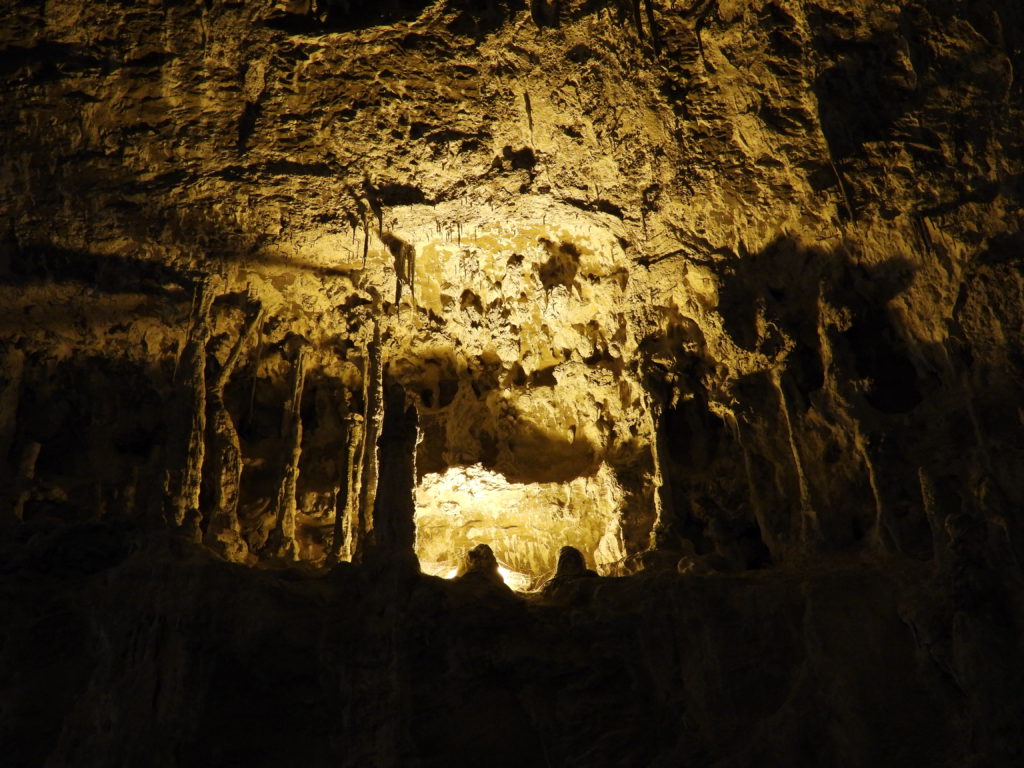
{"x": 784, "y": 236}
{"x": 751, "y": 270}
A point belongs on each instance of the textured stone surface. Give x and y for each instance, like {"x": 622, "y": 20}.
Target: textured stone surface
{"x": 738, "y": 280}
{"x": 119, "y": 651}
{"x": 783, "y": 235}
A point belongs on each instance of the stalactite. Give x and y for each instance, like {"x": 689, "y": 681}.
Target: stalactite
{"x": 337, "y": 551}
{"x": 704, "y": 11}
{"x": 257, "y": 359}
{"x": 12, "y": 370}
{"x": 841, "y": 182}
{"x": 187, "y": 425}
{"x": 861, "y": 443}
{"x": 131, "y": 493}
{"x": 366, "y": 240}
{"x": 655, "y": 38}
{"x": 373, "y": 416}
{"x": 411, "y": 273}
{"x": 223, "y": 530}
{"x": 936, "y": 516}
{"x": 529, "y": 113}
{"x": 197, "y": 290}
{"x": 404, "y": 255}
{"x": 635, "y": 8}
{"x": 282, "y": 540}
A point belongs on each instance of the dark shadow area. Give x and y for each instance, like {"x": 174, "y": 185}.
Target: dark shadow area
{"x": 247, "y": 124}
{"x": 48, "y": 61}
{"x": 878, "y": 358}
{"x": 479, "y": 18}
{"x": 538, "y": 455}
{"x": 327, "y": 16}
{"x": 785, "y": 284}
{"x": 105, "y": 273}
{"x": 562, "y": 265}
{"x": 739, "y": 488}
{"x": 471, "y": 17}
{"x": 545, "y": 13}
{"x": 861, "y": 97}
{"x": 466, "y": 676}
{"x": 599, "y": 206}
{"x": 86, "y": 432}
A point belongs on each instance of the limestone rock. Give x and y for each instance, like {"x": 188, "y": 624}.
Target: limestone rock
{"x": 727, "y": 287}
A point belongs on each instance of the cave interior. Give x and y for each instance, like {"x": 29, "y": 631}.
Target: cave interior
{"x": 437, "y": 383}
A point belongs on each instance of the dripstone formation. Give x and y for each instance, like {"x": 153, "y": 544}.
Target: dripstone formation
{"x": 326, "y": 326}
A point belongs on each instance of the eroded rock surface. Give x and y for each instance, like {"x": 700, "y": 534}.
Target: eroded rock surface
{"x": 121, "y": 651}
{"x": 728, "y": 288}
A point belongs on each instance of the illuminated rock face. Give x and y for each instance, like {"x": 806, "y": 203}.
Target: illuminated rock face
{"x": 753, "y": 266}
{"x": 732, "y": 283}
{"x": 752, "y": 263}
{"x": 525, "y": 524}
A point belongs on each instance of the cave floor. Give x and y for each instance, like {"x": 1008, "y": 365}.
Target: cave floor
{"x": 122, "y": 647}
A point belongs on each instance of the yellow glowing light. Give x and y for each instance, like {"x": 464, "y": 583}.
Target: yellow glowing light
{"x": 520, "y": 582}
{"x": 516, "y": 580}
{"x": 524, "y": 524}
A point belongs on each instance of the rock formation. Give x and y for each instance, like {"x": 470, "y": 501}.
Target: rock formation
{"x": 223, "y": 528}
{"x": 725, "y": 295}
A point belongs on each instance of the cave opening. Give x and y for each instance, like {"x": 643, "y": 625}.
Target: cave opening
{"x": 525, "y": 524}
{"x": 523, "y": 445}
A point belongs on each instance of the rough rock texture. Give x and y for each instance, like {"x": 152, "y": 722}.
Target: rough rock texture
{"x": 730, "y": 284}
{"x": 119, "y": 653}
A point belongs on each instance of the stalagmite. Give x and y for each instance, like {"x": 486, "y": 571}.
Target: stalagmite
{"x": 480, "y": 569}
{"x": 571, "y": 568}
{"x": 223, "y": 533}
{"x": 282, "y": 540}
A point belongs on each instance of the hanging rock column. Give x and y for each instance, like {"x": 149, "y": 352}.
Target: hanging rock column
{"x": 346, "y": 517}
{"x": 282, "y": 539}
{"x": 666, "y": 538}
{"x": 223, "y": 533}
{"x": 187, "y": 422}
{"x": 12, "y": 364}
{"x": 393, "y": 535}
{"x": 372, "y": 398}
